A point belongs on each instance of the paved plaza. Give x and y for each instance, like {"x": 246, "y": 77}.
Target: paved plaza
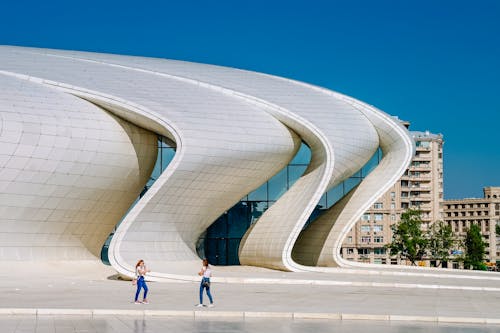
{"x": 92, "y": 290}
{"x": 130, "y": 324}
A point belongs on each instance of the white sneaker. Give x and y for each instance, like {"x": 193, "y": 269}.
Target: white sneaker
{"x": 137, "y": 302}
{"x": 199, "y": 305}
{"x": 211, "y": 305}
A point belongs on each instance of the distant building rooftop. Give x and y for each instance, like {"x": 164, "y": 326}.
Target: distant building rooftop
{"x": 426, "y": 135}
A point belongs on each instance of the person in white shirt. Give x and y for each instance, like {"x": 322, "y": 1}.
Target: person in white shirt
{"x": 206, "y": 274}
{"x": 140, "y": 273}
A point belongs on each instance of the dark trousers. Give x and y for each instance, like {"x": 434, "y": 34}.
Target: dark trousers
{"x": 141, "y": 284}
{"x": 208, "y": 291}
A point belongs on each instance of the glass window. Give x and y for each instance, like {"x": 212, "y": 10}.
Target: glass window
{"x": 393, "y": 205}
{"x": 156, "y": 170}
{"x": 366, "y": 217}
{"x": 238, "y": 220}
{"x": 278, "y": 185}
{"x": 294, "y": 173}
{"x": 303, "y": 156}
{"x": 366, "y": 239}
{"x": 167, "y": 155}
{"x": 349, "y": 239}
{"x": 365, "y": 228}
{"x": 257, "y": 208}
{"x": 218, "y": 228}
{"x": 393, "y": 217}
{"x": 372, "y": 163}
{"x": 350, "y": 183}
{"x": 259, "y": 194}
{"x": 379, "y": 250}
{"x": 424, "y": 144}
{"x": 378, "y": 227}
{"x": 350, "y": 251}
{"x": 378, "y": 239}
{"x": 378, "y": 205}
{"x": 364, "y": 252}
{"x": 379, "y": 217}
{"x": 334, "y": 195}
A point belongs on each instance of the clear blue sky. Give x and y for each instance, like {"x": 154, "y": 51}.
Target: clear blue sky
{"x": 434, "y": 63}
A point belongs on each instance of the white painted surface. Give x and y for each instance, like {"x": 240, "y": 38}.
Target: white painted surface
{"x": 233, "y": 130}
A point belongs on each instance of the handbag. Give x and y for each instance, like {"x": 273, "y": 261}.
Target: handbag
{"x": 206, "y": 284}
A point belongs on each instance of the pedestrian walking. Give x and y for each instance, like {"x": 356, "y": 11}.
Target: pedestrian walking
{"x": 206, "y": 274}
{"x": 140, "y": 273}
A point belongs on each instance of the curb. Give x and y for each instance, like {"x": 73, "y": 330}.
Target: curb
{"x": 207, "y": 314}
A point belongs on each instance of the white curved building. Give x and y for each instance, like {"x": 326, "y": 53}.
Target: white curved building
{"x": 77, "y": 145}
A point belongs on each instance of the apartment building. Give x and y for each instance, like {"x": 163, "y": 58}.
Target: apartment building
{"x": 485, "y": 212}
{"x": 420, "y": 187}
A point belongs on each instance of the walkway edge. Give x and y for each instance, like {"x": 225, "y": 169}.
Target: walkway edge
{"x": 205, "y": 314}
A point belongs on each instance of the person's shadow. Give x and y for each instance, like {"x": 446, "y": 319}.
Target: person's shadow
{"x": 139, "y": 326}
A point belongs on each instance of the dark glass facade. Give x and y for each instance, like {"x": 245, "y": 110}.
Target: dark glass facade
{"x": 220, "y": 243}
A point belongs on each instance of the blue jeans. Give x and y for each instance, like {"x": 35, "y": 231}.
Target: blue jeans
{"x": 141, "y": 284}
{"x": 208, "y": 290}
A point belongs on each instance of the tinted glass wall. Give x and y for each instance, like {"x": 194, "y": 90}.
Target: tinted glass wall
{"x": 221, "y": 242}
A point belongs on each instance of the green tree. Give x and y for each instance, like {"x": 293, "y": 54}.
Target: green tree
{"x": 441, "y": 241}
{"x": 474, "y": 249}
{"x": 409, "y": 242}
{"x": 497, "y": 229}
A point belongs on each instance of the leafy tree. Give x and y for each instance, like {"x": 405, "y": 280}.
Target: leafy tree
{"x": 409, "y": 242}
{"x": 474, "y": 249}
{"x": 497, "y": 229}
{"x": 441, "y": 241}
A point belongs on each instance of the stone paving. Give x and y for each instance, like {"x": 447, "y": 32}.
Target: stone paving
{"x": 92, "y": 290}
{"x": 130, "y": 324}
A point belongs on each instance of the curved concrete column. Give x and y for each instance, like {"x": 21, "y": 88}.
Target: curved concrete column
{"x": 68, "y": 172}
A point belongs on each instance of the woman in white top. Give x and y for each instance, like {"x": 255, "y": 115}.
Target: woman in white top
{"x": 140, "y": 273}
{"x": 205, "y": 273}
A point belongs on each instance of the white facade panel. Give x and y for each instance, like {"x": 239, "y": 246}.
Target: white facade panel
{"x": 233, "y": 130}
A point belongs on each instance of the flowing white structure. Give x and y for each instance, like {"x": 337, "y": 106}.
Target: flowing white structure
{"x": 77, "y": 140}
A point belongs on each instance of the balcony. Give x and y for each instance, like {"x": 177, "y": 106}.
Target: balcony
{"x": 422, "y": 207}
{"x": 424, "y": 155}
{"x": 420, "y": 148}
{"x": 423, "y": 167}
{"x": 421, "y": 197}
{"x": 421, "y": 177}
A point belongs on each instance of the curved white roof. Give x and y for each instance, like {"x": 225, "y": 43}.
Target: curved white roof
{"x": 233, "y": 129}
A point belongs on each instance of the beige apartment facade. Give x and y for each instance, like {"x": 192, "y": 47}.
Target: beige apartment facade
{"x": 485, "y": 212}
{"x": 421, "y": 187}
